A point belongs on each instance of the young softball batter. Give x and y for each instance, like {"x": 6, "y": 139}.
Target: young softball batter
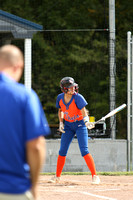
{"x": 71, "y": 107}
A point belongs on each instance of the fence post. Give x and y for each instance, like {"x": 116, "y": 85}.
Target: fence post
{"x": 27, "y": 57}
{"x": 112, "y": 66}
{"x": 129, "y": 102}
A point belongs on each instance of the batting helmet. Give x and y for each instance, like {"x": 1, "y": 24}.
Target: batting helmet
{"x": 66, "y": 83}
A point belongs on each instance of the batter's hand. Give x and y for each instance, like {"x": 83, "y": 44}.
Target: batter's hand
{"x": 61, "y": 127}
{"x": 90, "y": 125}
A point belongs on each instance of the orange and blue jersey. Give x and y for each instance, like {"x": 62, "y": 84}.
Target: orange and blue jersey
{"x": 71, "y": 110}
{"x": 74, "y": 123}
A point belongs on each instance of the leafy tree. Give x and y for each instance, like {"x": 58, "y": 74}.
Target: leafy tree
{"x": 82, "y": 55}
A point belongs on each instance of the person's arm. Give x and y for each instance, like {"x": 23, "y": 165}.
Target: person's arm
{"x": 35, "y": 151}
{"x": 88, "y": 124}
{"x": 84, "y": 112}
{"x": 61, "y": 116}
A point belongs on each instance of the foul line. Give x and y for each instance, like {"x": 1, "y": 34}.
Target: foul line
{"x": 86, "y": 193}
{"x": 98, "y": 196}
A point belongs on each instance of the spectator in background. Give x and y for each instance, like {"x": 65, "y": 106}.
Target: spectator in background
{"x": 22, "y": 129}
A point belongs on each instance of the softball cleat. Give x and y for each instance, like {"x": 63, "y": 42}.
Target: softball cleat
{"x": 55, "y": 179}
{"x": 95, "y": 180}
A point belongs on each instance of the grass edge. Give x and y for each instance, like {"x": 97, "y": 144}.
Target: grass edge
{"x": 88, "y": 173}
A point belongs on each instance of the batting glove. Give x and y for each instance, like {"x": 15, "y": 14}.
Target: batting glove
{"x": 61, "y": 127}
{"x": 88, "y": 124}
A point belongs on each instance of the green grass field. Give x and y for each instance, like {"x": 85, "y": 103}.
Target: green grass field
{"x": 99, "y": 173}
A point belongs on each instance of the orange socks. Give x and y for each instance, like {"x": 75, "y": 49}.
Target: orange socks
{"x": 88, "y": 159}
{"x": 60, "y": 165}
{"x": 90, "y": 163}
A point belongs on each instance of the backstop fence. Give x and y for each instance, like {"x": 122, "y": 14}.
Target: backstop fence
{"x": 81, "y": 54}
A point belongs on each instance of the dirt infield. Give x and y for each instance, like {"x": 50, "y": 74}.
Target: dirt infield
{"x": 79, "y": 187}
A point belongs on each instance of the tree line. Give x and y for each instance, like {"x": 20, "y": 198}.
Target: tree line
{"x": 84, "y": 55}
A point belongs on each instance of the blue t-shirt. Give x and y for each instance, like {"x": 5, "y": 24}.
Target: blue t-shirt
{"x": 21, "y": 119}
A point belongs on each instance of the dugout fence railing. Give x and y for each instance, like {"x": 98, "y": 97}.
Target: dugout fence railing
{"x": 129, "y": 101}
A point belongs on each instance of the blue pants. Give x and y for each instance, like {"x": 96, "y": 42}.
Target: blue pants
{"x": 81, "y": 132}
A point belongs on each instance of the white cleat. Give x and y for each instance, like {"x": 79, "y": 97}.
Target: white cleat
{"x": 95, "y": 180}
{"x": 55, "y": 179}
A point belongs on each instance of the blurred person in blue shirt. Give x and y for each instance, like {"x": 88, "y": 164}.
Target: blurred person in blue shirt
{"x": 23, "y": 126}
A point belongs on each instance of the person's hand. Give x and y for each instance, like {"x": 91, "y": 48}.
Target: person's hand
{"x": 61, "y": 127}
{"x": 88, "y": 124}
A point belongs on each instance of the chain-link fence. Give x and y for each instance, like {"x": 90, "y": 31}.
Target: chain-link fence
{"x": 81, "y": 54}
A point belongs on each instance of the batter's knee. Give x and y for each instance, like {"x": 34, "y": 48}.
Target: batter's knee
{"x": 62, "y": 153}
{"x": 84, "y": 152}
